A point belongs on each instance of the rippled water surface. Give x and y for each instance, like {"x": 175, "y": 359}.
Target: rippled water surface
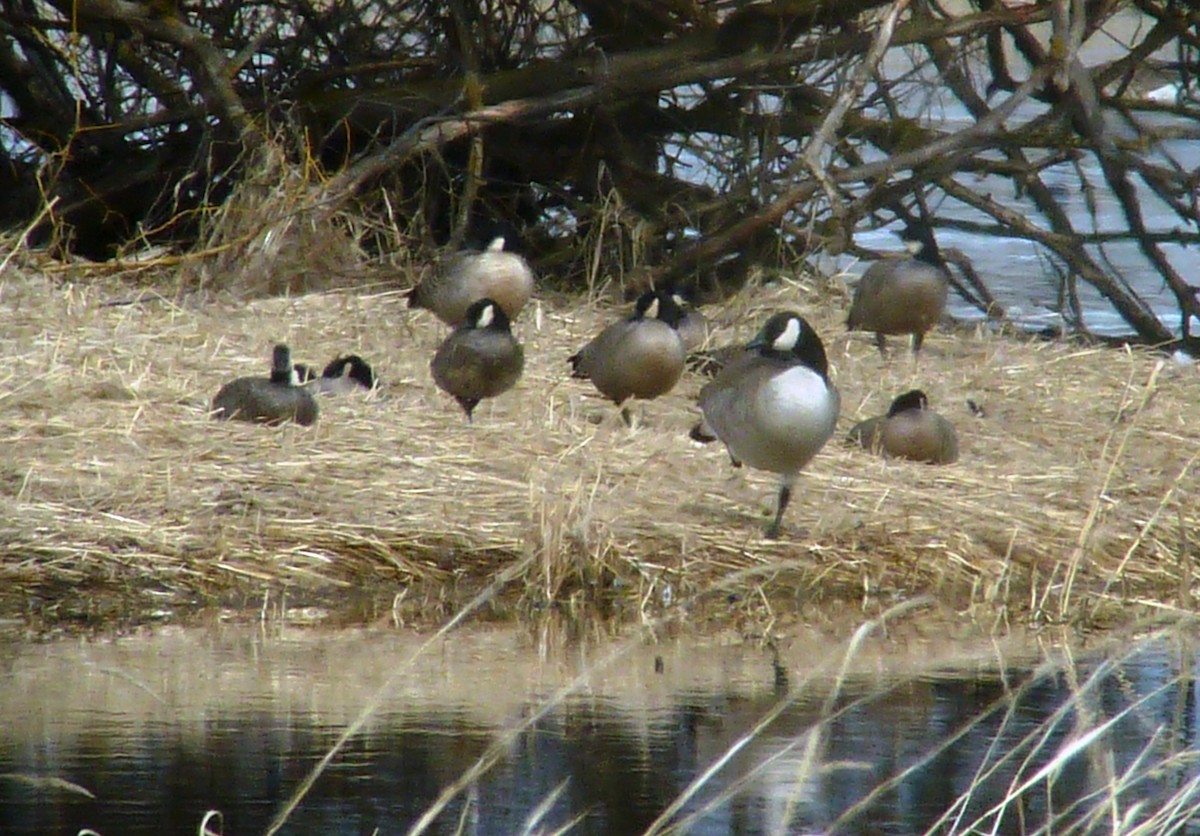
{"x": 145, "y": 734}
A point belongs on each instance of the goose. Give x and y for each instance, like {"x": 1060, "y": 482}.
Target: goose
{"x": 909, "y": 430}
{"x": 467, "y": 277}
{"x": 267, "y": 400}
{"x": 692, "y": 325}
{"x": 774, "y": 406}
{"x": 480, "y": 359}
{"x": 641, "y": 356}
{"x": 902, "y": 295}
{"x": 344, "y": 375}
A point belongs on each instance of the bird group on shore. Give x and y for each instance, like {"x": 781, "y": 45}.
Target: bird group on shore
{"x": 770, "y": 402}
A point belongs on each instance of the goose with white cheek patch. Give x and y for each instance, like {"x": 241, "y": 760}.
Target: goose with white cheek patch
{"x": 641, "y": 356}
{"x": 481, "y": 359}
{"x": 909, "y": 430}
{"x": 344, "y": 376}
{"x": 692, "y": 325}
{"x": 267, "y": 400}
{"x": 774, "y": 406}
{"x": 902, "y": 295}
{"x": 468, "y": 277}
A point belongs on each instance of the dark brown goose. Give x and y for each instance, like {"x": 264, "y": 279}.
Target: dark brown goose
{"x": 641, "y": 356}
{"x": 481, "y": 359}
{"x": 267, "y": 400}
{"x": 902, "y": 295}
{"x": 909, "y": 430}
{"x": 468, "y": 277}
{"x": 345, "y": 375}
{"x": 692, "y": 325}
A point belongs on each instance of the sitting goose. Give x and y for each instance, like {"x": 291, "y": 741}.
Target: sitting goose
{"x": 467, "y": 277}
{"x": 641, "y": 356}
{"x": 902, "y": 295}
{"x": 343, "y": 376}
{"x": 480, "y": 359}
{"x": 774, "y": 406}
{"x": 267, "y": 400}
{"x": 909, "y": 430}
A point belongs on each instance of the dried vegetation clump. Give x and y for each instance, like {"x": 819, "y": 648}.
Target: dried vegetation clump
{"x": 1074, "y": 496}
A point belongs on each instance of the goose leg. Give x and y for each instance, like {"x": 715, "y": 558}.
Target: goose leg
{"x": 626, "y": 416}
{"x": 785, "y": 496}
{"x": 881, "y": 344}
{"x": 918, "y": 338}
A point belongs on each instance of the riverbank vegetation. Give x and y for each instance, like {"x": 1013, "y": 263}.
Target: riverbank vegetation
{"x": 1071, "y": 501}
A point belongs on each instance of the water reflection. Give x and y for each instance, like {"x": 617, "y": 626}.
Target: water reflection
{"x": 160, "y": 729}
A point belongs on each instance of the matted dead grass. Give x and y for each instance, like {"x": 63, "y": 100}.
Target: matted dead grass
{"x": 1074, "y": 495}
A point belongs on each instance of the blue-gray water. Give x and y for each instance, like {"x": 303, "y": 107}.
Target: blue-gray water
{"x": 162, "y": 728}
{"x": 1020, "y": 274}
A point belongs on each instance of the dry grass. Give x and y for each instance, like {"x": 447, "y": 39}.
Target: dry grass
{"x": 1074, "y": 495}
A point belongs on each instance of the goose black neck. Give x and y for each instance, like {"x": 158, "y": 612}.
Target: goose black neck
{"x": 930, "y": 254}
{"x": 809, "y": 352}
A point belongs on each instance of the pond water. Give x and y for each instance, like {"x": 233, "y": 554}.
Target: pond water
{"x": 145, "y": 734}
{"x": 1019, "y": 273}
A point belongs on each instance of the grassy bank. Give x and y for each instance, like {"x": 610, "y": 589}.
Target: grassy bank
{"x": 1074, "y": 498}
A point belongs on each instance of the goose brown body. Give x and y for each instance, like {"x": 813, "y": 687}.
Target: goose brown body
{"x": 909, "y": 430}
{"x": 902, "y": 295}
{"x": 268, "y": 400}
{"x": 639, "y": 357}
{"x": 481, "y": 359}
{"x": 468, "y": 277}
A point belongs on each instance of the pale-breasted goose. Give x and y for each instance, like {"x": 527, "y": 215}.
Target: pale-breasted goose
{"x": 774, "y": 406}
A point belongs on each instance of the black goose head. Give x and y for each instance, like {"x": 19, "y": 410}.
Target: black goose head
{"x": 487, "y": 314}
{"x": 919, "y": 241}
{"x": 353, "y": 367}
{"x": 304, "y": 372}
{"x": 788, "y": 336}
{"x": 913, "y": 399}
{"x": 657, "y": 304}
{"x": 683, "y": 297}
{"x": 281, "y": 366}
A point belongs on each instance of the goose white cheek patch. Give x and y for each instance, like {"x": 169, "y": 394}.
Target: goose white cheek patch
{"x": 787, "y": 340}
{"x": 486, "y": 316}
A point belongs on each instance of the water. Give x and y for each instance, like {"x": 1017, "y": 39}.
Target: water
{"x": 1020, "y": 274}
{"x": 161, "y": 728}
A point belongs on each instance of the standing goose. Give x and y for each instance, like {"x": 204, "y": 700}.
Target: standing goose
{"x": 638, "y": 357}
{"x": 267, "y": 400}
{"x": 345, "y": 375}
{"x": 902, "y": 295}
{"x": 481, "y": 359}
{"x": 468, "y": 277}
{"x": 773, "y": 407}
{"x": 910, "y": 430}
